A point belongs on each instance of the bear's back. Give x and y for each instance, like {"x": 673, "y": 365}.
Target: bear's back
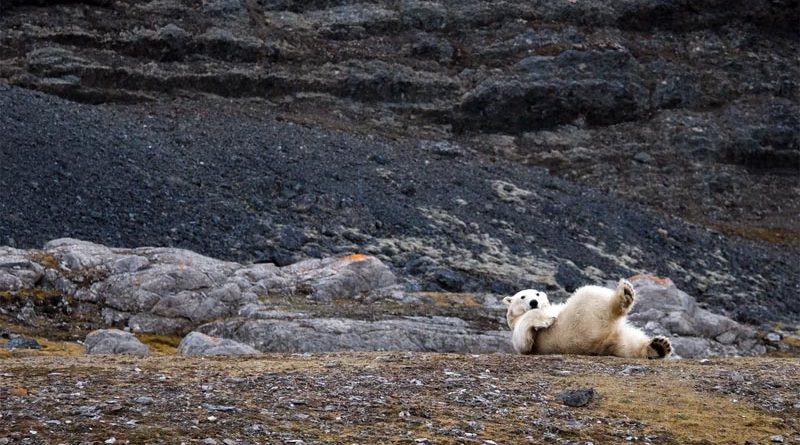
{"x": 583, "y": 324}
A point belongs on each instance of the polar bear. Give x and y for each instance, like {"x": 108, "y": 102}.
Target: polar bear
{"x": 591, "y": 322}
{"x": 530, "y": 314}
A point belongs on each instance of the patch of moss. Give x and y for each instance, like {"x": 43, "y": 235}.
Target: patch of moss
{"x": 668, "y": 404}
{"x": 46, "y": 259}
{"x": 165, "y": 344}
{"x": 36, "y": 294}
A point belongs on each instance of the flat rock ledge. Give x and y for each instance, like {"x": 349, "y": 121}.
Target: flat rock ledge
{"x": 419, "y": 334}
{"x": 172, "y": 291}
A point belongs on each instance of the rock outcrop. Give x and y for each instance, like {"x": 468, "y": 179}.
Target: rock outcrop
{"x": 170, "y": 290}
{"x": 348, "y": 303}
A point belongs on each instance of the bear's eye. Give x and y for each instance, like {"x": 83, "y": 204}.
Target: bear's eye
{"x": 522, "y": 297}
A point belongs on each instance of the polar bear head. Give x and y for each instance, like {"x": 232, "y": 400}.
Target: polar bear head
{"x": 523, "y": 301}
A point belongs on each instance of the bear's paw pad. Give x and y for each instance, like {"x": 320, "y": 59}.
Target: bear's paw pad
{"x": 659, "y": 347}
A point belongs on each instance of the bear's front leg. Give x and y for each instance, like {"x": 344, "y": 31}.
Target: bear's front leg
{"x": 523, "y": 336}
{"x": 539, "y": 319}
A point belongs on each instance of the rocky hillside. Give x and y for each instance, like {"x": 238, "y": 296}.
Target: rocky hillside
{"x": 699, "y": 98}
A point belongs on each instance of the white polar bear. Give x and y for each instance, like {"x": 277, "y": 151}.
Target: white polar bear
{"x": 591, "y": 322}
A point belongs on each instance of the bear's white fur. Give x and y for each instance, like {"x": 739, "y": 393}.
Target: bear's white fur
{"x": 530, "y": 315}
{"x": 591, "y": 322}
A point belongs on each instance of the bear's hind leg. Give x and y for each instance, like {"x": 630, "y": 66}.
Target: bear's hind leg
{"x": 623, "y": 299}
{"x": 630, "y": 342}
{"x": 659, "y": 347}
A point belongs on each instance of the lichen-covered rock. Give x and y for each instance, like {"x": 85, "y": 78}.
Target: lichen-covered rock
{"x": 196, "y": 343}
{"x": 167, "y": 290}
{"x": 114, "y": 341}
{"x": 663, "y": 309}
{"x": 348, "y": 276}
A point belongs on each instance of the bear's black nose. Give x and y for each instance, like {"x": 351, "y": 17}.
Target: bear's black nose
{"x": 534, "y": 304}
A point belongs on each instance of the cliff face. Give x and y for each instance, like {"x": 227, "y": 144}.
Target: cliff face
{"x": 416, "y": 131}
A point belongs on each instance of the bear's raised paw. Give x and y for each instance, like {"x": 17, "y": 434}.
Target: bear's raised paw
{"x": 626, "y": 294}
{"x": 659, "y": 347}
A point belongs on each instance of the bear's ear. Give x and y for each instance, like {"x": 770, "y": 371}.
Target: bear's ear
{"x": 507, "y": 300}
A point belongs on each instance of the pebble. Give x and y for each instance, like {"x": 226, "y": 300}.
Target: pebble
{"x": 254, "y": 429}
{"x": 111, "y": 440}
{"x": 87, "y": 410}
{"x": 4, "y": 440}
{"x": 644, "y": 158}
{"x": 143, "y": 400}
{"x": 210, "y": 441}
{"x": 576, "y": 397}
{"x": 221, "y": 408}
{"x": 774, "y": 337}
{"x": 633, "y": 369}
{"x": 422, "y": 441}
{"x": 776, "y": 439}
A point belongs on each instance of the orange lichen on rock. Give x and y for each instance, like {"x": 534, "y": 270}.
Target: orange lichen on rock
{"x": 664, "y": 281}
{"x": 354, "y": 257}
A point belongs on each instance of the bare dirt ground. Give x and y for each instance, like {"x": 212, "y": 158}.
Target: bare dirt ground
{"x": 395, "y": 398}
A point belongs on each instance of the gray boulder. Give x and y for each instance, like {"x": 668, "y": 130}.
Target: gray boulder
{"x": 663, "y": 309}
{"x": 349, "y": 276}
{"x": 426, "y": 334}
{"x": 196, "y": 343}
{"x": 114, "y": 341}
{"x": 17, "y": 270}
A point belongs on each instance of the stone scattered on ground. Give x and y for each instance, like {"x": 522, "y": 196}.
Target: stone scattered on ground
{"x": 444, "y": 398}
{"x": 114, "y": 341}
{"x": 576, "y": 397}
{"x": 197, "y": 343}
